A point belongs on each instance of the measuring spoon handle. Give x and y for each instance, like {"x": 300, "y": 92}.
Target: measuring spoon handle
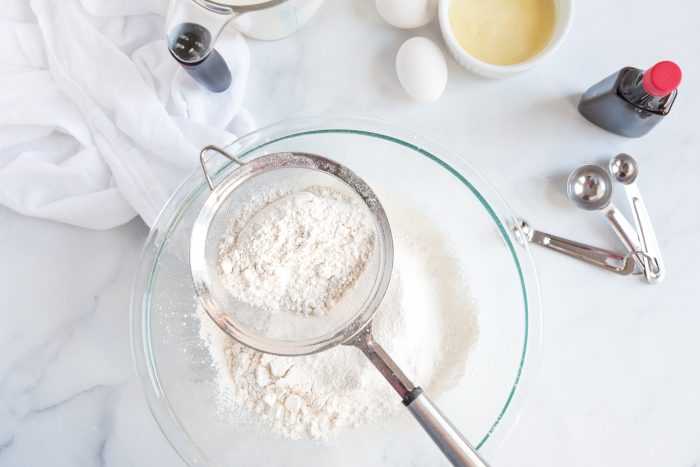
{"x": 600, "y": 257}
{"x": 654, "y": 267}
{"x": 624, "y": 231}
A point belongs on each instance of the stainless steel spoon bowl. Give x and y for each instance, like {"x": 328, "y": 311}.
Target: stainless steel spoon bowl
{"x": 624, "y": 168}
{"x": 589, "y": 187}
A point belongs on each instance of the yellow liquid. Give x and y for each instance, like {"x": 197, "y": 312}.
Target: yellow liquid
{"x": 502, "y": 32}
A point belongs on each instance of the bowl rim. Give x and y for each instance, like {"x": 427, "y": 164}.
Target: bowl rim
{"x": 165, "y": 416}
{"x": 472, "y": 63}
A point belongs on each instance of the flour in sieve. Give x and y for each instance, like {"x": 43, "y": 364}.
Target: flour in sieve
{"x": 298, "y": 253}
{"x": 426, "y": 322}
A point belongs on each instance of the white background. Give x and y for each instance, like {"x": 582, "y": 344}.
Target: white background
{"x": 619, "y": 380}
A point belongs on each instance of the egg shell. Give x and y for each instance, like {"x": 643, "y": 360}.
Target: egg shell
{"x": 422, "y": 69}
{"x": 407, "y": 14}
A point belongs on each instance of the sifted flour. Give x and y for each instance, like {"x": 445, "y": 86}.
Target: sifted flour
{"x": 426, "y": 323}
{"x": 298, "y": 253}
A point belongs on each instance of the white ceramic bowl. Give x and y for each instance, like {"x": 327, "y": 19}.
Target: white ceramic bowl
{"x": 564, "y": 18}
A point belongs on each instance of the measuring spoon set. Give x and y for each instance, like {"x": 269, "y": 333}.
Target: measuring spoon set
{"x": 591, "y": 187}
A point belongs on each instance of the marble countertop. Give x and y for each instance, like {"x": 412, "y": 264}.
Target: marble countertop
{"x": 619, "y": 379}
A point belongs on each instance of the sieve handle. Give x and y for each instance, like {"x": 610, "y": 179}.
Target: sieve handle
{"x": 204, "y": 164}
{"x": 452, "y": 444}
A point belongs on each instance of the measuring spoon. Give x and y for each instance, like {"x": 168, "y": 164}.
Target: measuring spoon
{"x": 590, "y": 188}
{"x": 625, "y": 170}
{"x": 600, "y": 257}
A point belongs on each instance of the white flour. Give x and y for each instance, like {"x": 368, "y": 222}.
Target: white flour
{"x": 426, "y": 323}
{"x": 298, "y": 253}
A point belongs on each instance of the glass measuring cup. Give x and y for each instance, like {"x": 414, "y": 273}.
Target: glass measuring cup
{"x": 193, "y": 27}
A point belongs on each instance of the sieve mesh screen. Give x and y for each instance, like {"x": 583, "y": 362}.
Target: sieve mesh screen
{"x": 285, "y": 332}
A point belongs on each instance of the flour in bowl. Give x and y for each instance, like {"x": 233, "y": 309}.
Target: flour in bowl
{"x": 426, "y": 322}
{"x": 298, "y": 253}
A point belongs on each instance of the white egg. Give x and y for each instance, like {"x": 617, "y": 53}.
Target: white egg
{"x": 421, "y": 68}
{"x": 407, "y": 14}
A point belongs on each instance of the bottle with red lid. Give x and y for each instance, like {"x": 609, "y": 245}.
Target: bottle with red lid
{"x": 632, "y": 101}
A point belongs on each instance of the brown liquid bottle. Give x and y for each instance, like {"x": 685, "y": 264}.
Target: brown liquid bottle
{"x": 632, "y": 101}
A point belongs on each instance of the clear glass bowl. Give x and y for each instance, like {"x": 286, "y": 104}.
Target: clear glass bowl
{"x": 176, "y": 373}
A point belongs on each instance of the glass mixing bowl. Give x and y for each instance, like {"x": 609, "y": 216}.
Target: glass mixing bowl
{"x": 175, "y": 371}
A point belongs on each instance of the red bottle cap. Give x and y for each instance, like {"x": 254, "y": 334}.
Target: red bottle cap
{"x": 662, "y": 79}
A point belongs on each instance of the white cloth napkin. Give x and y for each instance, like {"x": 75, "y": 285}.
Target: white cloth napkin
{"x": 98, "y": 123}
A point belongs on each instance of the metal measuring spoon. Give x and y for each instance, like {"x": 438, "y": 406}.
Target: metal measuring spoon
{"x": 590, "y": 188}
{"x": 606, "y": 259}
{"x": 625, "y": 170}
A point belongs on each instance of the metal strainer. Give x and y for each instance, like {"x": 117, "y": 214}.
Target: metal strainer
{"x": 349, "y": 320}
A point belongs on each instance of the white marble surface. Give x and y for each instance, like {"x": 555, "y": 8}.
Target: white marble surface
{"x": 619, "y": 380}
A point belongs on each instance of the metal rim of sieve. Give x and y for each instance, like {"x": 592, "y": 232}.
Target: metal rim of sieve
{"x": 236, "y": 178}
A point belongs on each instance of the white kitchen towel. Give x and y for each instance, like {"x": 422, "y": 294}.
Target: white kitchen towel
{"x": 98, "y": 123}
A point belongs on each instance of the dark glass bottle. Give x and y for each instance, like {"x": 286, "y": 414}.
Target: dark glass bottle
{"x": 632, "y": 101}
{"x": 190, "y": 47}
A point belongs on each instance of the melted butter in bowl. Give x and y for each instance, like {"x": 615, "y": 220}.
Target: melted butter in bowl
{"x": 503, "y": 32}
{"x": 500, "y": 37}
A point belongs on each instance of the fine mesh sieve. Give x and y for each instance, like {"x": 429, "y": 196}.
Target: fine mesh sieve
{"x": 286, "y": 333}
{"x": 348, "y": 321}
